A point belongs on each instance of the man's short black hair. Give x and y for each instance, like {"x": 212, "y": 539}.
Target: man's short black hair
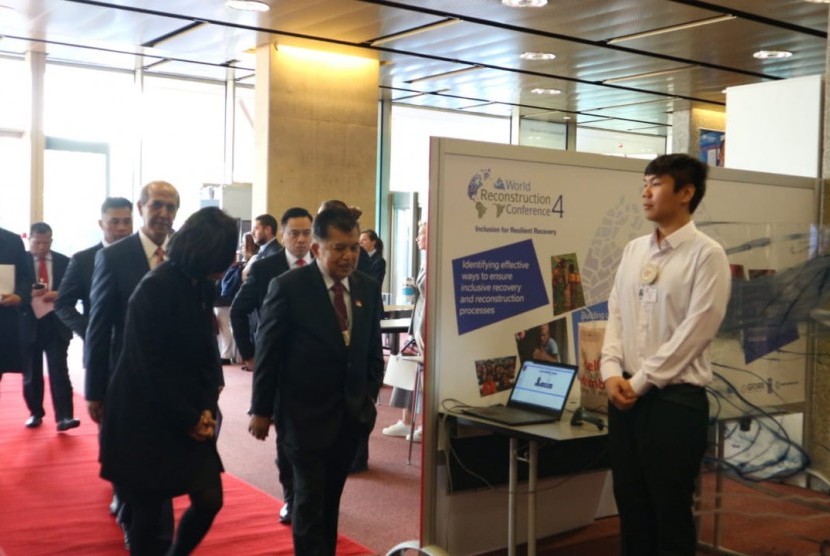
{"x": 116, "y": 203}
{"x": 685, "y": 170}
{"x": 295, "y": 212}
{"x": 268, "y": 221}
{"x": 40, "y": 228}
{"x": 336, "y": 218}
{"x": 205, "y": 244}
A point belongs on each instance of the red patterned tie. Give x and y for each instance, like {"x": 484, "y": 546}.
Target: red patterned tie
{"x": 159, "y": 255}
{"x": 42, "y": 271}
{"x": 300, "y": 262}
{"x": 340, "y": 306}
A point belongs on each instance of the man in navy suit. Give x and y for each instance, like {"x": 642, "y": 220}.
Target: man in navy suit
{"x": 296, "y": 237}
{"x": 47, "y": 335}
{"x": 319, "y": 367}
{"x": 15, "y": 295}
{"x": 118, "y": 270}
{"x": 264, "y": 233}
{"x": 116, "y": 223}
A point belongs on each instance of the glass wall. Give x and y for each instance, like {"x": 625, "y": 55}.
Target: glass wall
{"x": 14, "y": 176}
{"x": 618, "y": 143}
{"x": 183, "y": 136}
{"x": 411, "y": 130}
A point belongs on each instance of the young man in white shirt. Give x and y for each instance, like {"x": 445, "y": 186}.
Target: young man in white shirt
{"x": 669, "y": 297}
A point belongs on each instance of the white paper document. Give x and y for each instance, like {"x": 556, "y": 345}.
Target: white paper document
{"x": 6, "y": 278}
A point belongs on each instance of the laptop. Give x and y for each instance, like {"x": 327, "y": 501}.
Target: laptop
{"x": 539, "y": 395}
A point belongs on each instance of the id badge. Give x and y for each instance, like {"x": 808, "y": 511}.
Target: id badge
{"x": 648, "y": 294}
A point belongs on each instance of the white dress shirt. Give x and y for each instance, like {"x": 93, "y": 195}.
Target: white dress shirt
{"x": 292, "y": 260}
{"x": 659, "y": 332}
{"x": 150, "y": 247}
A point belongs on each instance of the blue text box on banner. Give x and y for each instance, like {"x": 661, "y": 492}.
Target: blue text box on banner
{"x": 497, "y": 284}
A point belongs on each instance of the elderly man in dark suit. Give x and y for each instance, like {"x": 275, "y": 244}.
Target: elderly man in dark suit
{"x": 118, "y": 270}
{"x": 15, "y": 294}
{"x": 319, "y": 366}
{"x": 116, "y": 223}
{"x": 296, "y": 239}
{"x": 48, "y": 335}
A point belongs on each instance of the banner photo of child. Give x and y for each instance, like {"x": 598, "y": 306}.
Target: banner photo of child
{"x": 495, "y": 375}
{"x": 566, "y": 283}
{"x": 545, "y": 342}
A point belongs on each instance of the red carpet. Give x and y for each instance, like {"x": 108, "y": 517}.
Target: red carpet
{"x": 53, "y": 502}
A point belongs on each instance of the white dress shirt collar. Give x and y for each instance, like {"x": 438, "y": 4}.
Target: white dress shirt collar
{"x": 150, "y": 246}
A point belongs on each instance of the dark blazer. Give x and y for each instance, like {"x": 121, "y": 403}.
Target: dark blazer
{"x": 60, "y": 262}
{"x": 250, "y": 298}
{"x": 377, "y": 267}
{"x": 269, "y": 250}
{"x": 76, "y": 285}
{"x": 13, "y": 319}
{"x": 323, "y": 386}
{"x": 118, "y": 269}
{"x": 168, "y": 373}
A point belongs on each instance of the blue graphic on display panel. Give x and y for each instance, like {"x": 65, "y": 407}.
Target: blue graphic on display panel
{"x": 493, "y": 285}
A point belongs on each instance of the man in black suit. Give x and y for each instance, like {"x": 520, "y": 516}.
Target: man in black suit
{"x": 118, "y": 270}
{"x": 264, "y": 233}
{"x": 116, "y": 223}
{"x": 319, "y": 366}
{"x": 47, "y": 335}
{"x": 15, "y": 294}
{"x": 296, "y": 237}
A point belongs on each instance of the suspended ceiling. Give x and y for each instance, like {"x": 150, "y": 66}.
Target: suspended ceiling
{"x": 629, "y": 85}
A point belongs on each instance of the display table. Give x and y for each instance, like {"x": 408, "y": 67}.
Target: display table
{"x": 534, "y": 435}
{"x": 394, "y": 328}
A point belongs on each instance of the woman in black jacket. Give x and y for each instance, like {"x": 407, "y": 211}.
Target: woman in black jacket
{"x": 158, "y": 437}
{"x": 373, "y": 245}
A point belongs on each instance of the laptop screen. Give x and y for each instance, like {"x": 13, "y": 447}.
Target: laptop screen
{"x": 542, "y": 385}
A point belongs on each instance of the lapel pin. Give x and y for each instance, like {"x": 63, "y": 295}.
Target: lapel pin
{"x": 359, "y": 303}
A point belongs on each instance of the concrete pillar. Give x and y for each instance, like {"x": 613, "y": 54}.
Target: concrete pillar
{"x": 316, "y": 129}
{"x": 37, "y": 140}
{"x": 687, "y": 122}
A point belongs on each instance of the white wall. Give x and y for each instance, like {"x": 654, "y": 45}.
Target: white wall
{"x": 775, "y": 127}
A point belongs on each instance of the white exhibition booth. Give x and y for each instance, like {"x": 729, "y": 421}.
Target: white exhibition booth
{"x": 521, "y": 238}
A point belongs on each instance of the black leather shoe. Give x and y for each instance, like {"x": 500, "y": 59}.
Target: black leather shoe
{"x": 285, "y": 514}
{"x": 115, "y": 504}
{"x": 34, "y": 421}
{"x": 66, "y": 424}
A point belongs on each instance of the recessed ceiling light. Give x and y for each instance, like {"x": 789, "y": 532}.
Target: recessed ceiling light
{"x": 524, "y": 3}
{"x": 546, "y": 91}
{"x": 537, "y": 56}
{"x": 772, "y": 54}
{"x": 818, "y": 1}
{"x": 566, "y": 117}
{"x": 247, "y": 5}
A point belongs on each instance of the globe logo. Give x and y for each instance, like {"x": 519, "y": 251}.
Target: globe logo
{"x": 484, "y": 178}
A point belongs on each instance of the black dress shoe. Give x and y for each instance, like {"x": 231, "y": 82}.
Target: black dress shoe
{"x": 285, "y": 514}
{"x": 34, "y": 421}
{"x": 66, "y": 424}
{"x": 226, "y": 361}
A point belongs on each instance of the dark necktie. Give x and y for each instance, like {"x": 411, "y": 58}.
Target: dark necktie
{"x": 340, "y": 306}
{"x": 42, "y": 271}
